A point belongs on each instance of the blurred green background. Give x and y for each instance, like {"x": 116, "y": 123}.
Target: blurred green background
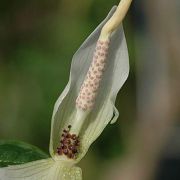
{"x": 37, "y": 41}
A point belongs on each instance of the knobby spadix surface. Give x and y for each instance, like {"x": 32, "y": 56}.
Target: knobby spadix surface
{"x": 64, "y": 114}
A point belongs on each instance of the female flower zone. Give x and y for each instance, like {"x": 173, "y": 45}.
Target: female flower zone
{"x": 99, "y": 69}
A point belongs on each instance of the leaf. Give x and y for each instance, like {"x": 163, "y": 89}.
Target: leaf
{"x": 16, "y": 152}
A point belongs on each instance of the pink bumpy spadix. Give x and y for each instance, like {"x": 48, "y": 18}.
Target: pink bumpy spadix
{"x": 89, "y": 89}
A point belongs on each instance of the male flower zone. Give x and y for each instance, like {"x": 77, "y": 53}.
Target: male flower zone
{"x": 99, "y": 69}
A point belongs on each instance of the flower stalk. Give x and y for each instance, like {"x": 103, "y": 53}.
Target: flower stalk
{"x": 115, "y": 20}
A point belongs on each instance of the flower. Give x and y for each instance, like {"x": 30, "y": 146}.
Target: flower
{"x": 99, "y": 69}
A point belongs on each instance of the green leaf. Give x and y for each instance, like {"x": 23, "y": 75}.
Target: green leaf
{"x": 16, "y": 152}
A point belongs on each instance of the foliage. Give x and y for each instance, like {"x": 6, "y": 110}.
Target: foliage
{"x": 16, "y": 152}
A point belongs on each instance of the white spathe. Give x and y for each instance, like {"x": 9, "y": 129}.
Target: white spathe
{"x": 103, "y": 112}
{"x": 46, "y": 169}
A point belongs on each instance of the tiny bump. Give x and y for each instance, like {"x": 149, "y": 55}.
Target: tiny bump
{"x": 73, "y": 137}
{"x": 104, "y": 48}
{"x": 68, "y": 135}
{"x": 102, "y": 60}
{"x": 98, "y": 47}
{"x": 100, "y": 69}
{"x": 65, "y": 151}
{"x": 63, "y": 146}
{"x": 101, "y": 42}
{"x": 74, "y": 150}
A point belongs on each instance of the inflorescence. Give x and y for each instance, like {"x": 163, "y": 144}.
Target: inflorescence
{"x": 90, "y": 86}
{"x": 69, "y": 144}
